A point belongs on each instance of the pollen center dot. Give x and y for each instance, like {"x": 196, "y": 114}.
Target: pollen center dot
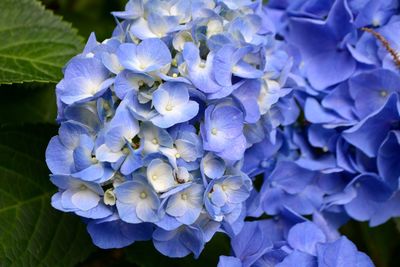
{"x": 154, "y": 141}
{"x": 224, "y": 187}
{"x": 93, "y": 159}
{"x": 154, "y": 177}
{"x": 143, "y": 195}
{"x": 177, "y": 155}
{"x": 142, "y": 66}
{"x": 168, "y": 108}
{"x": 264, "y": 164}
{"x": 174, "y": 75}
{"x": 202, "y": 64}
{"x": 375, "y": 22}
{"x": 383, "y": 93}
{"x": 125, "y": 150}
{"x": 214, "y": 131}
{"x": 184, "y": 196}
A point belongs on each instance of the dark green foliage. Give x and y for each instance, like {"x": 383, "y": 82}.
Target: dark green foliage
{"x": 32, "y": 233}
{"x": 34, "y": 44}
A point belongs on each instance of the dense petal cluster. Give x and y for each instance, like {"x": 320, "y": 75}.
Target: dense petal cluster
{"x": 165, "y": 126}
{"x": 291, "y": 240}
{"x": 345, "y": 149}
{"x": 156, "y": 120}
{"x": 339, "y": 161}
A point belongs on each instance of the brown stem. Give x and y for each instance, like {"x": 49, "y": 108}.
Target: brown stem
{"x": 385, "y": 44}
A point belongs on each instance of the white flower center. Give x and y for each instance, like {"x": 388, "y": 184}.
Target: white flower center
{"x": 383, "y": 93}
{"x": 109, "y": 197}
{"x": 143, "y": 195}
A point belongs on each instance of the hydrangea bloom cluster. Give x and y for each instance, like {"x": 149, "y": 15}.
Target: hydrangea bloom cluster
{"x": 164, "y": 126}
{"x": 156, "y": 120}
{"x": 340, "y": 160}
{"x": 292, "y": 240}
{"x": 345, "y": 148}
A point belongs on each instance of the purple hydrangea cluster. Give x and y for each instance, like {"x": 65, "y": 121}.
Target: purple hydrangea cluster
{"x": 340, "y": 159}
{"x": 290, "y": 241}
{"x": 166, "y": 125}
{"x": 155, "y": 122}
{"x": 344, "y": 159}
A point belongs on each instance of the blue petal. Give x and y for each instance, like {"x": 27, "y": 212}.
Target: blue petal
{"x": 59, "y": 159}
{"x": 133, "y": 10}
{"x": 248, "y": 94}
{"x": 340, "y": 253}
{"x": 297, "y": 258}
{"x": 85, "y": 199}
{"x": 365, "y": 136}
{"x": 305, "y": 236}
{"x": 169, "y": 243}
{"x": 388, "y": 159}
{"x": 370, "y": 191}
{"x": 370, "y": 90}
{"x": 290, "y": 177}
{"x": 117, "y": 234}
{"x": 212, "y": 166}
{"x": 225, "y": 261}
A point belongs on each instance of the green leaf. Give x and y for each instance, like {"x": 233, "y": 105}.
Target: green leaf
{"x": 27, "y": 103}
{"x": 32, "y": 233}
{"x": 143, "y": 254}
{"x": 34, "y": 43}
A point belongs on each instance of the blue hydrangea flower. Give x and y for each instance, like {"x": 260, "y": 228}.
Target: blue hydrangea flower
{"x": 264, "y": 243}
{"x": 137, "y": 202}
{"x": 84, "y": 79}
{"x": 171, "y": 100}
{"x": 224, "y": 197}
{"x": 200, "y": 71}
{"x": 186, "y": 205}
{"x": 180, "y": 242}
{"x": 364, "y": 135}
{"x": 324, "y": 45}
{"x": 160, "y": 176}
{"x": 112, "y": 232}
{"x": 153, "y": 138}
{"x": 72, "y": 152}
{"x": 222, "y": 131}
{"x": 83, "y": 198}
{"x": 343, "y": 107}
{"x": 148, "y": 56}
{"x": 165, "y": 125}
